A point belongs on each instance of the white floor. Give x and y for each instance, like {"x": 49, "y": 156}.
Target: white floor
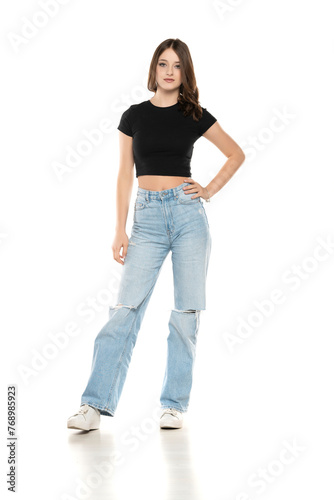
{"x": 260, "y": 423}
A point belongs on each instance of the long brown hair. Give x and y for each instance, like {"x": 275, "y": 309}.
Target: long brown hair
{"x": 189, "y": 94}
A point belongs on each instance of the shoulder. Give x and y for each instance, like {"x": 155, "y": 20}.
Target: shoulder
{"x": 206, "y": 113}
{"x": 206, "y": 121}
{"x": 133, "y": 110}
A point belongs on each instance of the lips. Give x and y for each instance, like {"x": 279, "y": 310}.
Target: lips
{"x": 168, "y": 79}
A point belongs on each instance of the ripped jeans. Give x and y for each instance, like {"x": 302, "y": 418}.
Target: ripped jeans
{"x": 162, "y": 221}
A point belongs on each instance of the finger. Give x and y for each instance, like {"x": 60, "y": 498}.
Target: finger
{"x": 197, "y": 194}
{"x": 117, "y": 257}
{"x": 192, "y": 190}
{"x": 189, "y": 189}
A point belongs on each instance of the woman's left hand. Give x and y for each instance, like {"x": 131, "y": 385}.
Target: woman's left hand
{"x": 195, "y": 188}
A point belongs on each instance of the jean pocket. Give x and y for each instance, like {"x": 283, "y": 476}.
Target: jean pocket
{"x": 185, "y": 199}
{"x": 139, "y": 205}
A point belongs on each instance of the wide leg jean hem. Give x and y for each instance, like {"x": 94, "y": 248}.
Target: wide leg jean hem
{"x": 182, "y": 410}
{"x": 103, "y": 409}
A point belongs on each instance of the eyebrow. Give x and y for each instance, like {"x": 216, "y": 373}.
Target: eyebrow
{"x": 167, "y": 61}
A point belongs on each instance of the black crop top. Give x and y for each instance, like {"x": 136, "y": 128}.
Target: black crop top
{"x": 163, "y": 138}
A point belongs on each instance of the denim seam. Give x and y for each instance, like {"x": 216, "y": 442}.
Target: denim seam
{"x": 205, "y": 216}
{"x": 168, "y": 233}
{"x": 120, "y": 360}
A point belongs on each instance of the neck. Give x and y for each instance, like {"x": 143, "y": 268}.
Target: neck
{"x": 162, "y": 98}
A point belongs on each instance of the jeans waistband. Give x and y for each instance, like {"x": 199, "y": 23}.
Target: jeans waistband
{"x": 166, "y": 193}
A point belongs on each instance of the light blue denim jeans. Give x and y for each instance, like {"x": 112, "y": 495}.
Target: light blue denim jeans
{"x": 162, "y": 221}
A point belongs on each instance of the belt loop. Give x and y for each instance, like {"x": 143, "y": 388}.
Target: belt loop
{"x": 146, "y": 195}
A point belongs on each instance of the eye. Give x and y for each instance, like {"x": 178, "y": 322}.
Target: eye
{"x": 164, "y": 64}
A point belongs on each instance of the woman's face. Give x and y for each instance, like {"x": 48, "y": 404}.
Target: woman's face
{"x": 168, "y": 67}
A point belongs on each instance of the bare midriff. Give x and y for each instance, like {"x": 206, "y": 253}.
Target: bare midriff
{"x": 159, "y": 182}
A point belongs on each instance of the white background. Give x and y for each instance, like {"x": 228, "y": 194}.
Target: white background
{"x": 255, "y": 62}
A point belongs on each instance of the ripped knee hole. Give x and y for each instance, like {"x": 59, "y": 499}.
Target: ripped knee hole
{"x": 187, "y": 310}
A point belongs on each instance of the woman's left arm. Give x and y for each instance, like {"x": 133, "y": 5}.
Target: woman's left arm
{"x": 235, "y": 158}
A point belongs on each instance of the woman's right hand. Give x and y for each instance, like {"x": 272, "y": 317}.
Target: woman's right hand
{"x": 121, "y": 240}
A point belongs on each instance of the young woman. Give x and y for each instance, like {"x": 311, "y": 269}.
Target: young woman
{"x": 157, "y": 135}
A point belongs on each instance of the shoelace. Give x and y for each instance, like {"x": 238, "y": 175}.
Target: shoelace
{"x": 83, "y": 410}
{"x": 171, "y": 411}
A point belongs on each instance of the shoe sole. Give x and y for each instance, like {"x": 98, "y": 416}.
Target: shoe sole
{"x": 72, "y": 425}
{"x": 69, "y": 426}
{"x": 171, "y": 426}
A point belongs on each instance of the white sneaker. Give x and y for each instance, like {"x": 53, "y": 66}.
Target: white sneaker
{"x": 87, "y": 419}
{"x": 171, "y": 419}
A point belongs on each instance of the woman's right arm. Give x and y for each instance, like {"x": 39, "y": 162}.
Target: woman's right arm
{"x": 123, "y": 196}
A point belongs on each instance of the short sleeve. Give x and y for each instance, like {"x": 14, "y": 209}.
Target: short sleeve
{"x": 206, "y": 121}
{"x": 125, "y": 123}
